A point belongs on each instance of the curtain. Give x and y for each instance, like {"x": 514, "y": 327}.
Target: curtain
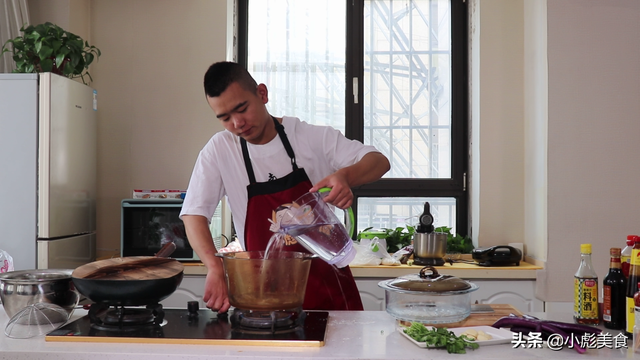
{"x": 13, "y": 15}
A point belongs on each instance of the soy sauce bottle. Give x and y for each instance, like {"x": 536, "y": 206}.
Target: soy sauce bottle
{"x": 585, "y": 298}
{"x": 614, "y": 288}
{"x": 632, "y": 286}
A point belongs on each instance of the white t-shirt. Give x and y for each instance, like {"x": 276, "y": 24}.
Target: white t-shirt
{"x": 220, "y": 170}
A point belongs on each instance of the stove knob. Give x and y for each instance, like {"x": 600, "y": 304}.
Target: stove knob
{"x": 193, "y": 307}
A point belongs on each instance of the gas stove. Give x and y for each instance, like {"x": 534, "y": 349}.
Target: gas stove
{"x": 191, "y": 325}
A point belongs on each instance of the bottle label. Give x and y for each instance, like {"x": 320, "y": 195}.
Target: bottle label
{"x": 606, "y": 306}
{"x": 585, "y": 304}
{"x": 631, "y": 306}
{"x": 635, "y": 257}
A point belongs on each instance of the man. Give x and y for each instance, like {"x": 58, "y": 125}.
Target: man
{"x": 260, "y": 163}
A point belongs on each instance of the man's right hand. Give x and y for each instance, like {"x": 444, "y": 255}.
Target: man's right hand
{"x": 215, "y": 292}
{"x": 215, "y": 288}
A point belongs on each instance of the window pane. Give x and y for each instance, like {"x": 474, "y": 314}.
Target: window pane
{"x": 401, "y": 211}
{"x": 297, "y": 48}
{"x": 407, "y": 84}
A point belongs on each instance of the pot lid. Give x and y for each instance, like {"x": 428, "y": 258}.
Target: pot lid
{"x": 35, "y": 276}
{"x": 429, "y": 280}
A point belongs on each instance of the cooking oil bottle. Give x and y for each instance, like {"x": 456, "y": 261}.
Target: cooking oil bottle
{"x": 585, "y": 298}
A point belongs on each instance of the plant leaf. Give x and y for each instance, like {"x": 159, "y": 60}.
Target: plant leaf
{"x": 60, "y": 59}
{"x": 38, "y": 47}
{"x": 88, "y": 58}
{"x": 46, "y": 65}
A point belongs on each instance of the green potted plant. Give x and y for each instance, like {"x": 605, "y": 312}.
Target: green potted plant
{"x": 458, "y": 243}
{"x": 49, "y": 48}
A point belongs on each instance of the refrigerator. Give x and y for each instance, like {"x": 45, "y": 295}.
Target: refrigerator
{"x": 48, "y": 180}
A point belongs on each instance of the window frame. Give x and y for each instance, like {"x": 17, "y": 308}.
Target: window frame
{"x": 454, "y": 187}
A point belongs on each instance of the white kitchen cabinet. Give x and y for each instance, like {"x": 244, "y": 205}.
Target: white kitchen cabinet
{"x": 372, "y": 296}
{"x": 518, "y": 293}
{"x": 191, "y": 289}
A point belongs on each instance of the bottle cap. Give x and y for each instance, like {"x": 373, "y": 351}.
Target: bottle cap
{"x": 630, "y": 242}
{"x": 631, "y": 237}
{"x": 615, "y": 252}
{"x": 585, "y": 248}
{"x": 636, "y": 239}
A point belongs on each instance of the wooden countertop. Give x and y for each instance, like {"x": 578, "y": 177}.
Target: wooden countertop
{"x": 526, "y": 270}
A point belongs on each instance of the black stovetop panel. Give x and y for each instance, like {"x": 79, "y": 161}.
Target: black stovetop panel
{"x": 204, "y": 328}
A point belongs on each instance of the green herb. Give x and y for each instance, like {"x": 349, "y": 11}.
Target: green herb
{"x": 398, "y": 238}
{"x": 440, "y": 337}
{"x": 456, "y": 244}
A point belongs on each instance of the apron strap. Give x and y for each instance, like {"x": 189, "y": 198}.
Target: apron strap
{"x": 247, "y": 161}
{"x": 285, "y": 142}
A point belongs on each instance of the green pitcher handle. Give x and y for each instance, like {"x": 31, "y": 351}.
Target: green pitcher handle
{"x": 350, "y": 218}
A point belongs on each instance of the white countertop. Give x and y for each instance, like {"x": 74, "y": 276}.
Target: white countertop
{"x": 350, "y": 335}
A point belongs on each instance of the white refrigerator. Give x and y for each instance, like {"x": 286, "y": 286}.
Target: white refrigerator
{"x": 48, "y": 181}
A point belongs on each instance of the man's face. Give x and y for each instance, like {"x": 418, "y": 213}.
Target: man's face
{"x": 243, "y": 113}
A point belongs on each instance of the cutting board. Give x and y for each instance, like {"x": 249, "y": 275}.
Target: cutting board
{"x": 480, "y": 319}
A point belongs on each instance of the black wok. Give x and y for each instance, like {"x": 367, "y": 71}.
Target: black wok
{"x": 128, "y": 281}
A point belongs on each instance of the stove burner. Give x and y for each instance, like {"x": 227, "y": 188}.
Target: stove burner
{"x": 119, "y": 318}
{"x": 428, "y": 261}
{"x": 128, "y": 317}
{"x": 267, "y": 322}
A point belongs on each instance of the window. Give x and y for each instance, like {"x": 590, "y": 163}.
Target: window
{"x": 401, "y": 85}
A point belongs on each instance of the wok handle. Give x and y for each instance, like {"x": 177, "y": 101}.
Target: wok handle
{"x": 166, "y": 250}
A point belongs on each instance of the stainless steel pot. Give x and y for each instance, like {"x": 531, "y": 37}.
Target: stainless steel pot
{"x": 19, "y": 289}
{"x": 276, "y": 283}
{"x": 431, "y": 245}
{"x": 428, "y": 297}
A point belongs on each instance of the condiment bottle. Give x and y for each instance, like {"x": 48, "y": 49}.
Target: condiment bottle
{"x": 625, "y": 255}
{"x": 614, "y": 288}
{"x": 633, "y": 286}
{"x": 585, "y": 298}
{"x": 636, "y": 327}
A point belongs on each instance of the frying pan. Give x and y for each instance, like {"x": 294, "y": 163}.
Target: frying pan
{"x": 129, "y": 281}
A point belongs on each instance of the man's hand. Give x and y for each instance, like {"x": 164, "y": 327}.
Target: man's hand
{"x": 340, "y": 194}
{"x": 215, "y": 292}
{"x": 370, "y": 168}
{"x": 215, "y": 287}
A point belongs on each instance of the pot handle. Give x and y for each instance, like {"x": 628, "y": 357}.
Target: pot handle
{"x": 434, "y": 273}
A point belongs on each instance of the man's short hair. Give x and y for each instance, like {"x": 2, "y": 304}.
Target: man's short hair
{"x": 222, "y": 74}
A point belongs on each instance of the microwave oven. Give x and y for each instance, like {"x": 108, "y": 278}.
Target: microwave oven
{"x": 148, "y": 224}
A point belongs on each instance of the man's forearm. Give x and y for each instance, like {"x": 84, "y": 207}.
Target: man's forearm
{"x": 199, "y": 235}
{"x": 370, "y": 168}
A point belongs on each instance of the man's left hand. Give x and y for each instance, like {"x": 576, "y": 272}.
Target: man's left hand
{"x": 340, "y": 194}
